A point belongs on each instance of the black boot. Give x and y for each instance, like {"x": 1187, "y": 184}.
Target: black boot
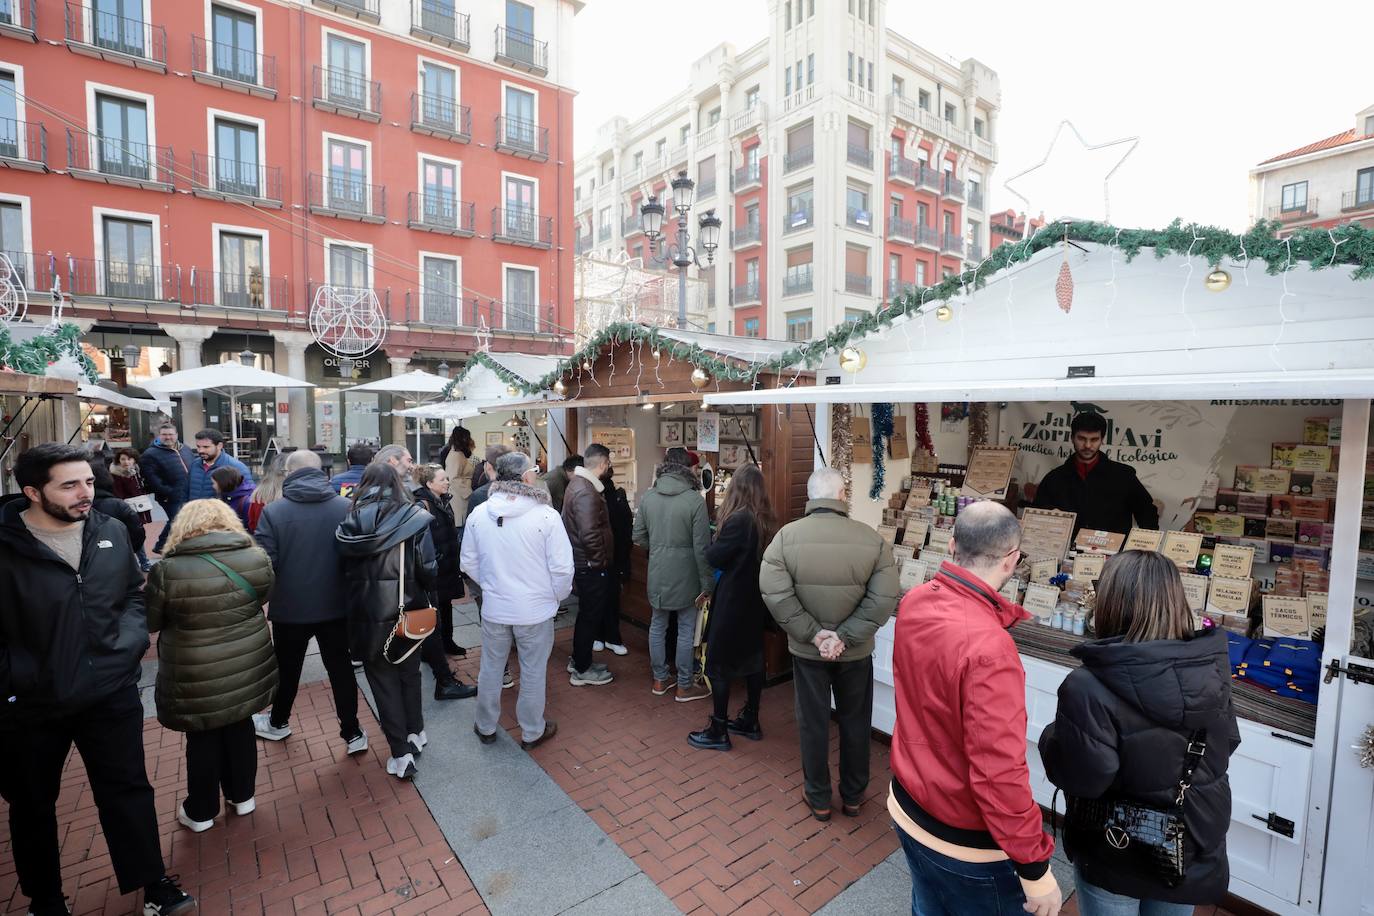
{"x": 452, "y": 648}
{"x": 746, "y": 724}
{"x": 453, "y": 689}
{"x": 714, "y": 737}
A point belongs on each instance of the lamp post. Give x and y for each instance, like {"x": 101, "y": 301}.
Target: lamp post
{"x": 679, "y": 251}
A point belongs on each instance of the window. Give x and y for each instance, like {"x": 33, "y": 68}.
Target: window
{"x": 799, "y": 75}
{"x": 786, "y": 80}
{"x": 348, "y": 267}
{"x": 751, "y": 216}
{"x": 661, "y": 149}
{"x": 894, "y": 206}
{"x": 235, "y": 37}
{"x": 975, "y": 231}
{"x": 241, "y": 271}
{"x": 1364, "y": 187}
{"x": 810, "y": 69}
{"x": 706, "y": 176}
{"x": 347, "y": 77}
{"x": 12, "y": 237}
{"x": 920, "y": 273}
{"x": 1294, "y": 197}
{"x": 713, "y": 116}
{"x": 798, "y": 278}
{"x": 236, "y": 158}
{"x": 923, "y": 99}
{"x": 130, "y": 271}
{"x": 348, "y": 177}
{"x": 751, "y": 97}
{"x": 922, "y": 214}
{"x": 856, "y": 261}
{"x": 751, "y": 160}
{"x": 577, "y": 194}
{"x": 858, "y": 135}
{"x": 521, "y": 129}
{"x": 122, "y": 125}
{"x": 799, "y": 208}
{"x": 949, "y": 112}
{"x": 894, "y": 271}
{"x": 751, "y": 327}
{"x": 439, "y": 96}
{"x": 978, "y": 127}
{"x": 522, "y": 219}
{"x": 895, "y": 147}
{"x": 9, "y": 116}
{"x": 440, "y": 192}
{"x": 1369, "y": 126}
{"x": 862, "y": 6}
{"x": 946, "y": 273}
{"x": 605, "y": 222}
{"x": 639, "y": 161}
{"x": 810, "y": 8}
{"x": 872, "y": 8}
{"x": 520, "y": 33}
{"x": 118, "y": 25}
{"x": 853, "y": 315}
{"x": 860, "y": 80}
{"x": 851, "y": 66}
{"x": 787, "y": 14}
{"x": 638, "y": 252}
{"x": 799, "y": 325}
{"x": 751, "y": 272}
{"x": 522, "y": 304}
{"x": 870, "y": 76}
{"x": 949, "y": 223}
{"x": 898, "y": 87}
{"x": 856, "y": 205}
{"x": 610, "y": 173}
{"x": 683, "y": 133}
{"x": 440, "y": 304}
{"x": 975, "y": 191}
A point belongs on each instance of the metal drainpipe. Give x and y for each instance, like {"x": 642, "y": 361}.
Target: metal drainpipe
{"x": 303, "y": 172}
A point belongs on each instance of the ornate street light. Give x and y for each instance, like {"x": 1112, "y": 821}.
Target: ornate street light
{"x": 679, "y": 251}
{"x": 246, "y": 356}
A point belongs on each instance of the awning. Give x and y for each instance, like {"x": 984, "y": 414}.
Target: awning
{"x": 101, "y": 395}
{"x": 463, "y": 409}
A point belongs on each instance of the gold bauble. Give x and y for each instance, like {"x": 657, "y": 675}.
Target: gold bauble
{"x": 944, "y": 312}
{"x": 852, "y": 359}
{"x": 700, "y": 378}
{"x": 1217, "y": 281}
{"x": 512, "y": 390}
{"x": 657, "y": 355}
{"x": 560, "y": 388}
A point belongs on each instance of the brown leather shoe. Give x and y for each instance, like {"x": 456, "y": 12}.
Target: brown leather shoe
{"x": 695, "y": 692}
{"x": 660, "y": 687}
{"x": 550, "y": 729}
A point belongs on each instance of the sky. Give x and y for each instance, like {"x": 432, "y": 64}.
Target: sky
{"x": 1209, "y": 95}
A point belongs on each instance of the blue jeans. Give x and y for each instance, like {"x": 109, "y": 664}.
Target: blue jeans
{"x": 682, "y": 653}
{"x": 1094, "y": 901}
{"x": 941, "y": 886}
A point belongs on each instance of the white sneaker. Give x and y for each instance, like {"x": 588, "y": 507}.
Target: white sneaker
{"x": 193, "y": 826}
{"x": 598, "y": 646}
{"x": 617, "y": 648}
{"x": 243, "y": 809}
{"x": 418, "y": 742}
{"x": 507, "y": 680}
{"x": 402, "y": 767}
{"x": 357, "y": 744}
{"x": 263, "y": 727}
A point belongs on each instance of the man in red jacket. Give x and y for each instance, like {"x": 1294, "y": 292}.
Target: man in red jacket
{"x": 973, "y": 835}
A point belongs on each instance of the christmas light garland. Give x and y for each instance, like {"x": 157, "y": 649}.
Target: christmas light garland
{"x": 35, "y": 355}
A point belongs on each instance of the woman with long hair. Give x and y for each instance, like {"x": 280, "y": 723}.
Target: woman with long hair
{"x": 389, "y": 564}
{"x": 456, "y": 459}
{"x": 267, "y": 491}
{"x": 734, "y": 635}
{"x": 231, "y": 487}
{"x": 434, "y": 494}
{"x": 1150, "y": 707}
{"x": 216, "y": 666}
{"x": 128, "y": 484}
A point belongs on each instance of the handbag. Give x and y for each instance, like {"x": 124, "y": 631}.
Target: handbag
{"x": 1135, "y": 837}
{"x": 233, "y": 576}
{"x": 411, "y": 625}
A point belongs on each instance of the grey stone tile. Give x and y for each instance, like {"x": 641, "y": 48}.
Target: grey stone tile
{"x": 884, "y": 890}
{"x": 635, "y": 896}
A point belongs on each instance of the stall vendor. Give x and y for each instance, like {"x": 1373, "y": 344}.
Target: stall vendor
{"x": 1106, "y": 494}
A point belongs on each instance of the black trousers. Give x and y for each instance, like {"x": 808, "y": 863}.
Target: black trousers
{"x": 720, "y": 694}
{"x": 290, "y": 642}
{"x": 609, "y": 631}
{"x": 171, "y": 508}
{"x": 852, "y": 685}
{"x": 593, "y": 595}
{"x": 432, "y": 654}
{"x": 109, "y": 737}
{"x": 396, "y": 690}
{"x": 220, "y": 762}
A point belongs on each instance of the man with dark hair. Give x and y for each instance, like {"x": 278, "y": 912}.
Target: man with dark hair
{"x": 1106, "y": 494}
{"x": 72, "y": 634}
{"x": 212, "y": 455}
{"x": 166, "y": 466}
{"x": 359, "y": 457}
{"x": 558, "y": 479}
{"x": 588, "y": 522}
{"x": 960, "y": 794}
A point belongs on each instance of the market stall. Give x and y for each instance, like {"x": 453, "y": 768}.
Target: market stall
{"x": 1225, "y": 387}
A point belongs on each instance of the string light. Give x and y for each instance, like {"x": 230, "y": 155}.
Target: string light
{"x": 1283, "y": 315}
{"x": 1183, "y": 295}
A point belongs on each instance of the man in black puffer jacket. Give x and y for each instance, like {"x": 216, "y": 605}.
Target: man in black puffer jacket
{"x": 166, "y": 466}
{"x": 72, "y": 635}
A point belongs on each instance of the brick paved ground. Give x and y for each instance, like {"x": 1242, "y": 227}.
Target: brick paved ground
{"x": 328, "y": 836}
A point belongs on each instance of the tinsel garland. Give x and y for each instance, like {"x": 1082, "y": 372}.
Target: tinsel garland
{"x": 977, "y": 425}
{"x": 842, "y": 444}
{"x": 33, "y": 356}
{"x": 923, "y": 439}
{"x": 1347, "y": 245}
{"x": 1365, "y": 747}
{"x": 882, "y": 435}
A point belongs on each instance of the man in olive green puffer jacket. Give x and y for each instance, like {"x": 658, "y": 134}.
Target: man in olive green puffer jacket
{"x": 830, "y": 582}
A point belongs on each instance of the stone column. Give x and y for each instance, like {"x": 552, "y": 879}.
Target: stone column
{"x": 296, "y": 424}
{"x": 189, "y": 338}
{"x": 399, "y": 366}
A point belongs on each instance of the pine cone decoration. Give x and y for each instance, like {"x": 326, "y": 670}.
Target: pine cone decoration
{"x": 1063, "y": 287}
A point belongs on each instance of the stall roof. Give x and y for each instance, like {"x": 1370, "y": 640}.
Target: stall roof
{"x": 744, "y": 349}
{"x": 463, "y": 408}
{"x": 529, "y": 366}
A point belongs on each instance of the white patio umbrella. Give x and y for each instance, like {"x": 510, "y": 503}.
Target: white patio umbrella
{"x": 101, "y": 395}
{"x": 229, "y": 379}
{"x": 416, "y": 385}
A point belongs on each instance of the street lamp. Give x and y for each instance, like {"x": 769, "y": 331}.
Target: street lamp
{"x": 679, "y": 251}
{"x": 442, "y": 369}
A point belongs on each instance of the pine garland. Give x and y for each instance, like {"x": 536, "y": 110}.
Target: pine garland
{"x": 882, "y": 435}
{"x": 33, "y": 356}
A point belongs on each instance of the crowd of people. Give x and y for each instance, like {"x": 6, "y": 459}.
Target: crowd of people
{"x": 369, "y": 563}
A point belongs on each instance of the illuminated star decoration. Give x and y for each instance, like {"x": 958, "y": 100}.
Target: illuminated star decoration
{"x": 1062, "y": 182}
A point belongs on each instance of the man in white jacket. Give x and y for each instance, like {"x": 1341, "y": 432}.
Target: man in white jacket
{"x": 516, "y": 548}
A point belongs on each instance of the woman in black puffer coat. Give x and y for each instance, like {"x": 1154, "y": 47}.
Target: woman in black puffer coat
{"x": 1148, "y": 684}
{"x": 216, "y": 666}
{"x": 433, "y": 494}
{"x": 383, "y": 527}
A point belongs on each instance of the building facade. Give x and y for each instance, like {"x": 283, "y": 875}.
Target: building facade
{"x": 1321, "y": 184}
{"x": 193, "y": 175}
{"x": 847, "y": 163}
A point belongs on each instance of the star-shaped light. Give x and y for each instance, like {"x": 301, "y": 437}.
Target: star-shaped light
{"x": 1065, "y": 183}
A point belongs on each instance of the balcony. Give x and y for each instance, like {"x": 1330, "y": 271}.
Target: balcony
{"x": 522, "y": 138}
{"x": 748, "y": 119}
{"x": 138, "y": 281}
{"x": 975, "y": 251}
{"x": 23, "y": 145}
{"x": 859, "y": 155}
{"x": 746, "y": 178}
{"x": 518, "y": 317}
{"x": 441, "y": 213}
{"x": 953, "y": 187}
{"x": 679, "y": 156}
{"x": 1295, "y": 213}
{"x": 347, "y": 198}
{"x": 909, "y": 112}
{"x": 123, "y": 162}
{"x": 799, "y": 219}
{"x": 745, "y": 294}
{"x": 1007, "y": 232}
{"x": 896, "y": 288}
{"x": 521, "y": 226}
{"x": 367, "y": 10}
{"x": 706, "y": 187}
{"x": 440, "y": 117}
{"x": 584, "y": 245}
{"x": 230, "y": 179}
{"x": 1359, "y": 199}
{"x": 798, "y": 158}
{"x": 522, "y": 51}
{"x": 238, "y": 290}
{"x": 929, "y": 178}
{"x": 975, "y": 199}
{"x": 985, "y": 148}
{"x": 928, "y": 237}
{"x": 632, "y": 225}
{"x": 952, "y": 244}
{"x": 229, "y": 67}
{"x": 862, "y": 96}
{"x": 118, "y": 39}
{"x": 347, "y": 94}
{"x": 900, "y": 168}
{"x": 19, "y": 19}
{"x": 799, "y": 99}
{"x": 799, "y": 279}
{"x": 603, "y": 234}
{"x": 437, "y": 21}
{"x": 708, "y": 136}
{"x": 898, "y": 228}
{"x": 858, "y": 283}
{"x": 859, "y": 218}
{"x": 746, "y": 236}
